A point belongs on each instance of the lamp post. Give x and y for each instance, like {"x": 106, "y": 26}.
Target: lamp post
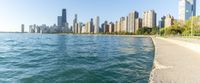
{"x": 192, "y": 26}
{"x": 192, "y": 21}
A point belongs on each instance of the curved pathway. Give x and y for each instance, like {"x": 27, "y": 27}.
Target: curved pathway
{"x": 175, "y": 63}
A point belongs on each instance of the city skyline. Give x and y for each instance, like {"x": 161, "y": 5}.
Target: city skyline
{"x": 50, "y": 18}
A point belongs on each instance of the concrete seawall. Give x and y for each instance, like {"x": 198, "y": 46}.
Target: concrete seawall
{"x": 175, "y": 61}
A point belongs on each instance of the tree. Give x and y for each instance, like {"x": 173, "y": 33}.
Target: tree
{"x": 147, "y": 31}
{"x": 175, "y": 29}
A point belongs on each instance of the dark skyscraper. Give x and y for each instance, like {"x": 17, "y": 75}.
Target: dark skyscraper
{"x": 64, "y": 17}
{"x": 91, "y": 26}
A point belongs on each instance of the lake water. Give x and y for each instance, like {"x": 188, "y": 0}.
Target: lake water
{"x": 37, "y": 58}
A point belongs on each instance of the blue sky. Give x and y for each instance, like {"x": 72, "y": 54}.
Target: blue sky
{"x": 13, "y": 13}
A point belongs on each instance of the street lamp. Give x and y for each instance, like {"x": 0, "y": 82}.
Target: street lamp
{"x": 192, "y": 21}
{"x": 192, "y": 26}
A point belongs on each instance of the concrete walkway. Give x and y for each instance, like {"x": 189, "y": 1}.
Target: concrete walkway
{"x": 175, "y": 63}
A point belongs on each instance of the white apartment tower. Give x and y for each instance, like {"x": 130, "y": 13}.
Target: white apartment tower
{"x": 131, "y": 21}
{"x": 96, "y": 25}
{"x": 149, "y": 19}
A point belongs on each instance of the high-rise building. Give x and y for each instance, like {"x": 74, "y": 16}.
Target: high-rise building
{"x": 80, "y": 27}
{"x": 116, "y": 26}
{"x": 22, "y": 28}
{"x": 111, "y": 27}
{"x": 66, "y": 27}
{"x": 149, "y": 19}
{"x": 102, "y": 28}
{"x": 131, "y": 18}
{"x": 59, "y": 21}
{"x": 35, "y": 28}
{"x": 123, "y": 25}
{"x": 168, "y": 20}
{"x": 30, "y": 28}
{"x": 91, "y": 26}
{"x": 187, "y": 8}
{"x": 64, "y": 17}
{"x": 162, "y": 22}
{"x": 86, "y": 27}
{"x": 76, "y": 28}
{"x": 119, "y": 28}
{"x": 138, "y": 24}
{"x": 105, "y": 27}
{"x": 96, "y": 25}
{"x": 83, "y": 29}
{"x": 75, "y": 21}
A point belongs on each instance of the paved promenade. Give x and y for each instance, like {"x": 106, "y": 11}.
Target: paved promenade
{"x": 175, "y": 63}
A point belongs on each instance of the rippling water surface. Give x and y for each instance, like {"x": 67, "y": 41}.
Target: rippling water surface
{"x": 36, "y": 58}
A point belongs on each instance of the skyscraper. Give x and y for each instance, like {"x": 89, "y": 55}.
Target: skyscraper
{"x": 59, "y": 23}
{"x": 149, "y": 19}
{"x": 187, "y": 8}
{"x": 96, "y": 25}
{"x": 119, "y": 26}
{"x": 91, "y": 26}
{"x": 162, "y": 22}
{"x": 105, "y": 27}
{"x": 131, "y": 18}
{"x": 138, "y": 24}
{"x": 87, "y": 27}
{"x": 64, "y": 17}
{"x": 168, "y": 21}
{"x": 111, "y": 27}
{"x": 123, "y": 24}
{"x": 80, "y": 25}
{"x": 83, "y": 28}
{"x": 76, "y": 28}
{"x": 116, "y": 26}
{"x": 22, "y": 28}
{"x": 75, "y": 21}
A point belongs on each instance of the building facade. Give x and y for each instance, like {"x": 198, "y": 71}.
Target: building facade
{"x": 22, "y": 28}
{"x": 96, "y": 24}
{"x": 111, "y": 27}
{"x": 162, "y": 22}
{"x": 64, "y": 17}
{"x": 168, "y": 21}
{"x": 75, "y": 22}
{"x": 138, "y": 24}
{"x": 149, "y": 19}
{"x": 131, "y": 21}
{"x": 59, "y": 21}
{"x": 187, "y": 8}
